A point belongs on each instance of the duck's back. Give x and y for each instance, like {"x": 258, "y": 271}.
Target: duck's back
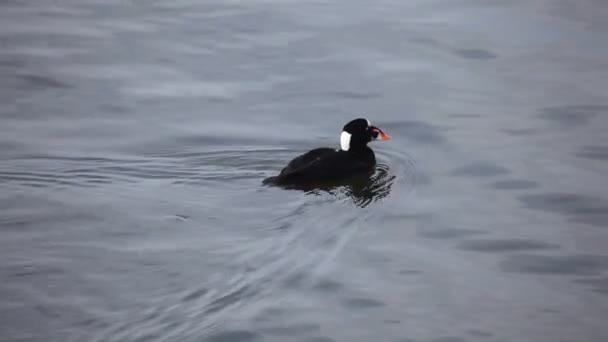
{"x": 326, "y": 164}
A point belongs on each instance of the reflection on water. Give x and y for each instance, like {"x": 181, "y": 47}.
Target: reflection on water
{"x": 134, "y": 136}
{"x": 361, "y": 189}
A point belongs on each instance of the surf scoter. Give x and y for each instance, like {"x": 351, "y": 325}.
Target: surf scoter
{"x": 327, "y": 164}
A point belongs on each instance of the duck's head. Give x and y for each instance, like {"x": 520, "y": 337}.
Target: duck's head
{"x": 357, "y": 133}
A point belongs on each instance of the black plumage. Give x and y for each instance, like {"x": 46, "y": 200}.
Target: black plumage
{"x": 326, "y": 164}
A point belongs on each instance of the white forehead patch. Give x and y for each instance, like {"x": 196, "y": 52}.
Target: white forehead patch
{"x": 345, "y": 141}
{"x": 368, "y": 123}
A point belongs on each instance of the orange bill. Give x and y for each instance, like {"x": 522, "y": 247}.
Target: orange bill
{"x": 381, "y": 135}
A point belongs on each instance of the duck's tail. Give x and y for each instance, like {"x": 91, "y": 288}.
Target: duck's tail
{"x": 274, "y": 180}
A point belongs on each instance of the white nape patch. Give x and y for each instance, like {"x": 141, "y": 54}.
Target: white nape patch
{"x": 345, "y": 141}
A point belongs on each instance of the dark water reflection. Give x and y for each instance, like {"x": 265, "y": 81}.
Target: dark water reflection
{"x": 134, "y": 137}
{"x": 362, "y": 190}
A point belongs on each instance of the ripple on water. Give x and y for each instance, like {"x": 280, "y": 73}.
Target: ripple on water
{"x": 260, "y": 269}
{"x": 362, "y": 191}
{"x": 578, "y": 208}
{"x": 186, "y": 168}
{"x": 597, "y": 285}
{"x": 449, "y": 339}
{"x": 374, "y": 189}
{"x": 234, "y": 336}
{"x": 515, "y": 184}
{"x": 518, "y": 132}
{"x": 504, "y": 245}
{"x": 278, "y": 257}
{"x": 480, "y": 169}
{"x": 479, "y": 333}
{"x": 444, "y": 233}
{"x": 594, "y": 152}
{"x": 576, "y": 265}
{"x": 362, "y": 303}
{"x": 479, "y": 54}
{"x": 319, "y": 339}
{"x": 300, "y": 329}
{"x": 570, "y": 115}
{"x": 403, "y": 170}
{"x": 328, "y": 285}
{"x": 59, "y": 171}
{"x": 41, "y": 82}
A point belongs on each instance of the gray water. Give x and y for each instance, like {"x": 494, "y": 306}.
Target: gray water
{"x": 134, "y": 137}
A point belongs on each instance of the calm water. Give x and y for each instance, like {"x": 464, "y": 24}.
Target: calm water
{"x": 135, "y": 135}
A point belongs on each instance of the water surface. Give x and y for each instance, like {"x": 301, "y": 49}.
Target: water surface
{"x": 135, "y": 135}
